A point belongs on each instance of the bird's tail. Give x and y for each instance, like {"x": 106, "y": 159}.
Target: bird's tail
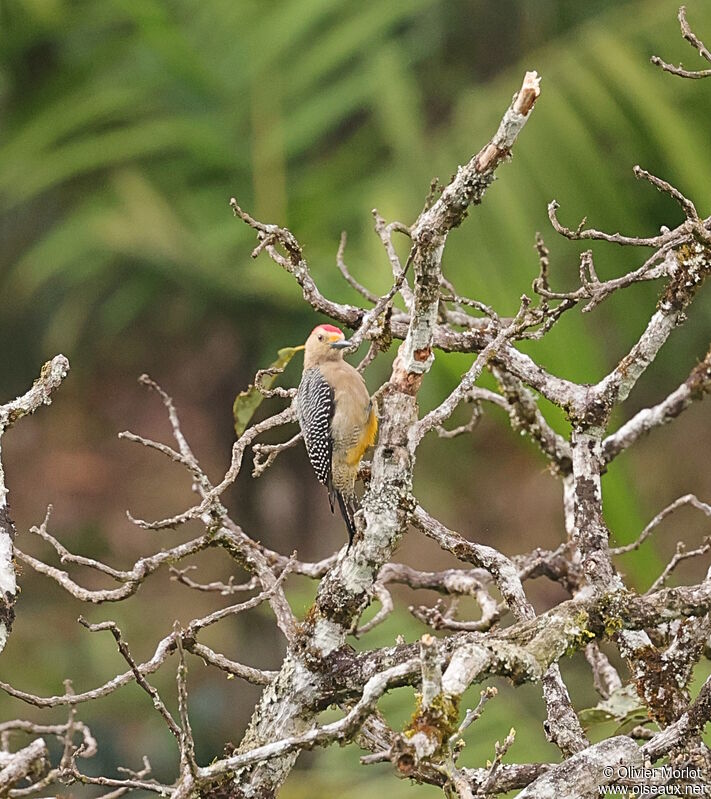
{"x": 348, "y": 507}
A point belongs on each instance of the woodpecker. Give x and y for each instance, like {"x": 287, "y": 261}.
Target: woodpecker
{"x": 336, "y": 417}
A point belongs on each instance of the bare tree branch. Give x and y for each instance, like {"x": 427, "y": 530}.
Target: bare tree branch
{"x": 51, "y": 376}
{"x": 696, "y": 43}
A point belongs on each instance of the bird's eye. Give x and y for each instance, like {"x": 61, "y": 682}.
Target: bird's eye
{"x": 320, "y": 338}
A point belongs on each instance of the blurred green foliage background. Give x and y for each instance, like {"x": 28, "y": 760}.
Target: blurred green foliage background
{"x": 125, "y": 127}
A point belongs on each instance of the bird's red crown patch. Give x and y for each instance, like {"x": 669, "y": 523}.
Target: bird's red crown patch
{"x": 329, "y": 329}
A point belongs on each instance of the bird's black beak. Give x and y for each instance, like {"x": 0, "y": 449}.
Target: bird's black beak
{"x": 341, "y": 345}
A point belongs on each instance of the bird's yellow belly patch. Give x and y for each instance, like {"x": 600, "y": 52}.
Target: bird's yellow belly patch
{"x": 366, "y": 440}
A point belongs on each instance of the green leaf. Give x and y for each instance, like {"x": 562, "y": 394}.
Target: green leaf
{"x": 633, "y": 719}
{"x": 623, "y": 706}
{"x": 247, "y": 402}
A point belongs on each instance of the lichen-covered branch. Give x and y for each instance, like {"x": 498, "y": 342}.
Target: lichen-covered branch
{"x": 50, "y": 378}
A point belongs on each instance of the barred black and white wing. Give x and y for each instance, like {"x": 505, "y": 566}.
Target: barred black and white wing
{"x": 314, "y": 408}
